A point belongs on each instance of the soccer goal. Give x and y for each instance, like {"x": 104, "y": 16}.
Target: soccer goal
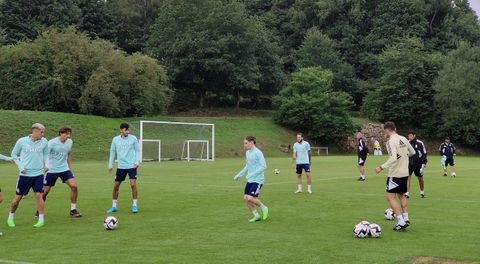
{"x": 164, "y": 140}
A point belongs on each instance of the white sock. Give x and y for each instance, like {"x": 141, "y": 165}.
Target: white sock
{"x": 263, "y": 207}
{"x": 41, "y": 217}
{"x": 114, "y": 203}
{"x": 309, "y": 188}
{"x": 400, "y": 220}
{"x": 299, "y": 187}
{"x": 422, "y": 192}
{"x": 11, "y": 216}
{"x": 405, "y": 216}
{"x": 255, "y": 213}
{"x": 134, "y": 202}
{"x": 73, "y": 206}
{"x": 362, "y": 176}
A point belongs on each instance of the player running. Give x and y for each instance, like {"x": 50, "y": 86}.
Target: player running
{"x": 302, "y": 156}
{"x": 31, "y": 153}
{"x": 2, "y": 157}
{"x": 60, "y": 165}
{"x": 125, "y": 148}
{"x": 417, "y": 163}
{"x": 254, "y": 169}
{"x": 362, "y": 151}
{"x": 447, "y": 151}
{"x": 399, "y": 151}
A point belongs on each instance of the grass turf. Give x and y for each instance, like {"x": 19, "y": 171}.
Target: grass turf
{"x": 194, "y": 213}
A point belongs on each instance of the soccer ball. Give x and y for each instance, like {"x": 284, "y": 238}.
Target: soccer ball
{"x": 375, "y": 230}
{"x": 389, "y": 214}
{"x": 361, "y": 231}
{"x": 110, "y": 223}
{"x": 276, "y": 171}
{"x": 364, "y": 223}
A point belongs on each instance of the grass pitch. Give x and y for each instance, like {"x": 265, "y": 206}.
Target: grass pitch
{"x": 194, "y": 213}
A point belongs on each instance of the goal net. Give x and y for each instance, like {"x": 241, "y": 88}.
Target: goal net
{"x": 163, "y": 140}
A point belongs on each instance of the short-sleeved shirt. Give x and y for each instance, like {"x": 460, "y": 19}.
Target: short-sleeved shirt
{"x": 302, "y": 150}
{"x": 58, "y": 154}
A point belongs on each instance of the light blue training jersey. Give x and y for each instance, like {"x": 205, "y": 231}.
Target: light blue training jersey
{"x": 302, "y": 150}
{"x": 58, "y": 155}
{"x": 2, "y": 157}
{"x": 126, "y": 150}
{"x": 255, "y": 167}
{"x": 30, "y": 155}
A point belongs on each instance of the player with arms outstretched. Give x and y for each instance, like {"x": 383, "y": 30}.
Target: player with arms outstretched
{"x": 399, "y": 152}
{"x": 125, "y": 148}
{"x": 254, "y": 170}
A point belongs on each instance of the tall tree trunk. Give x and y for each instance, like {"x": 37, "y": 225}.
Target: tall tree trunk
{"x": 200, "y": 99}
{"x": 237, "y": 99}
{"x": 430, "y": 26}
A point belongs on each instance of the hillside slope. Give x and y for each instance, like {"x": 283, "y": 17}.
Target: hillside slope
{"x": 92, "y": 134}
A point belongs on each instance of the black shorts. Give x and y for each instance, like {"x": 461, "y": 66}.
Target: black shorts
{"x": 416, "y": 169}
{"x": 397, "y": 185}
{"x": 449, "y": 161}
{"x": 305, "y": 167}
{"x": 361, "y": 160}
{"x": 122, "y": 174}
{"x": 252, "y": 189}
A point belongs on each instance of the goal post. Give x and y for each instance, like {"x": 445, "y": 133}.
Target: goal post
{"x": 199, "y": 151}
{"x": 175, "y": 140}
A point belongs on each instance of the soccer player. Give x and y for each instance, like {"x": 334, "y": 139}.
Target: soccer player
{"x": 302, "y": 156}
{"x": 60, "y": 165}
{"x": 399, "y": 152}
{"x": 31, "y": 153}
{"x": 125, "y": 148}
{"x": 417, "y": 164}
{"x": 2, "y": 157}
{"x": 254, "y": 169}
{"x": 447, "y": 151}
{"x": 362, "y": 151}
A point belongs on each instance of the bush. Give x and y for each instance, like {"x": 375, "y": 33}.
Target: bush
{"x": 308, "y": 104}
{"x": 68, "y": 72}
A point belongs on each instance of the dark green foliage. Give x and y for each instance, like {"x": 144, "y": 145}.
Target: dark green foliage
{"x": 318, "y": 50}
{"x": 68, "y": 72}
{"x": 457, "y": 97}
{"x": 404, "y": 93}
{"x": 213, "y": 48}
{"x": 25, "y": 19}
{"x": 96, "y": 20}
{"x": 308, "y": 104}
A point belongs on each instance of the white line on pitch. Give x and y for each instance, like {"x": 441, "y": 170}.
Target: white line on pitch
{"x": 14, "y": 262}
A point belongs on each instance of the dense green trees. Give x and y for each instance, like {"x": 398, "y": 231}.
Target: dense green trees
{"x": 309, "y": 104}
{"x": 457, "y": 97}
{"x": 66, "y": 71}
{"x": 214, "y": 49}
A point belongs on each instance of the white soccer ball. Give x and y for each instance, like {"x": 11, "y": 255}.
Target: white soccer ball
{"x": 375, "y": 230}
{"x": 389, "y": 214}
{"x": 276, "y": 171}
{"x": 364, "y": 223}
{"x": 110, "y": 223}
{"x": 361, "y": 231}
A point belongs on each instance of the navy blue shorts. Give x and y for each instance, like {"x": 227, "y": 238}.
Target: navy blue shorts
{"x": 253, "y": 189}
{"x": 449, "y": 161}
{"x": 305, "y": 167}
{"x": 122, "y": 174}
{"x": 51, "y": 177}
{"x": 24, "y": 184}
